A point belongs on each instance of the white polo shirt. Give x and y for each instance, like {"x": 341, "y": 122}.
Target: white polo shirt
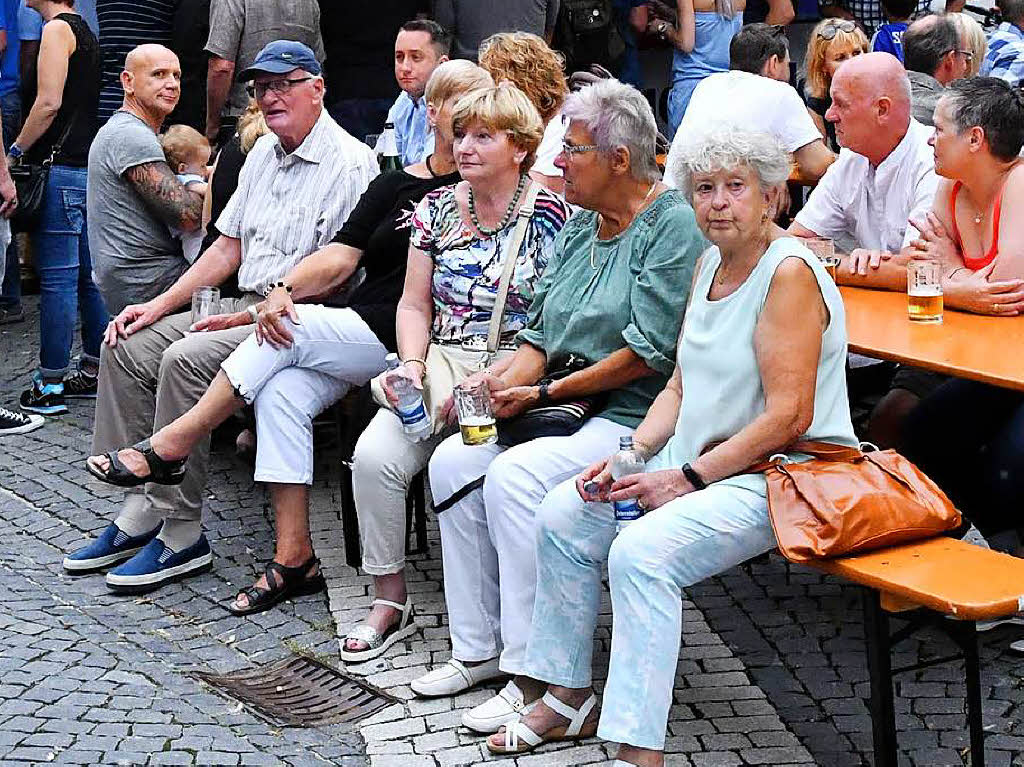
{"x": 743, "y": 101}
{"x": 870, "y": 206}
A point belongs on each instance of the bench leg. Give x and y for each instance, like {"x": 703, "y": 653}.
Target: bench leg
{"x": 966, "y": 635}
{"x": 349, "y": 519}
{"x": 883, "y": 712}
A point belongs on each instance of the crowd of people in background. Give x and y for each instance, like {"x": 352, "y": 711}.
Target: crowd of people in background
{"x": 547, "y": 236}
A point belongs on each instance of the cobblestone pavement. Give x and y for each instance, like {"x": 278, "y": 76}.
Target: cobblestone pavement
{"x": 771, "y": 671}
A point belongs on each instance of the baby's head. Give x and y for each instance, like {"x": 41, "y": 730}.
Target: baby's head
{"x": 186, "y": 150}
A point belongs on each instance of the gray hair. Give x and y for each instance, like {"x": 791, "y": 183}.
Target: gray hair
{"x": 617, "y": 115}
{"x": 732, "y": 148}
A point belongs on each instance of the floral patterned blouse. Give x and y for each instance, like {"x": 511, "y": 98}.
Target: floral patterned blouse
{"x": 467, "y": 267}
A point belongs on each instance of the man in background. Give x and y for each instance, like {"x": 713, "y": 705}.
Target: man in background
{"x": 472, "y": 21}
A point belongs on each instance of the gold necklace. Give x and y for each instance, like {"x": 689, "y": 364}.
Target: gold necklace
{"x": 600, "y": 221}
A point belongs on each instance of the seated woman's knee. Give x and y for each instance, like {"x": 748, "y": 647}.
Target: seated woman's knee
{"x": 559, "y": 513}
{"x": 634, "y": 551}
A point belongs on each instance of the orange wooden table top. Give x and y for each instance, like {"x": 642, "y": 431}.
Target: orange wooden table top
{"x": 987, "y": 349}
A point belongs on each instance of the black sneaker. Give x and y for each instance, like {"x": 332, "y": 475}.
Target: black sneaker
{"x": 18, "y": 423}
{"x": 80, "y": 385}
{"x": 44, "y": 398}
{"x": 11, "y": 314}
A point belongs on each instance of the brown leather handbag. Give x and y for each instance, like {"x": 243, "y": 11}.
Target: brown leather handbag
{"x": 845, "y": 501}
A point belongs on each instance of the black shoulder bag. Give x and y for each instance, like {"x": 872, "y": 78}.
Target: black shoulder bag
{"x": 30, "y": 181}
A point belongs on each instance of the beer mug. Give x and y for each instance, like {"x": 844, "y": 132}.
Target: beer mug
{"x": 924, "y": 291}
{"x": 205, "y": 303}
{"x": 476, "y": 419}
{"x": 825, "y": 249}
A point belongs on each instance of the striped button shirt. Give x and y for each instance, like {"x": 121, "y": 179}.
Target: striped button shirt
{"x": 125, "y": 24}
{"x": 1005, "y": 56}
{"x": 288, "y": 205}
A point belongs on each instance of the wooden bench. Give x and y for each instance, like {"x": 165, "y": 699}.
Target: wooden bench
{"x": 936, "y": 578}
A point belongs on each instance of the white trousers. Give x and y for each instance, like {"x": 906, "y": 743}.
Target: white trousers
{"x": 333, "y": 349}
{"x": 488, "y": 538}
{"x": 383, "y": 466}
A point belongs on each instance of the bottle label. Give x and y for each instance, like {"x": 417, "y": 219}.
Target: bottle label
{"x": 414, "y": 416}
{"x": 627, "y": 511}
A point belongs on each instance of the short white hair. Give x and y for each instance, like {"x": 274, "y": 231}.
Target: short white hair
{"x": 618, "y": 115}
{"x": 731, "y": 148}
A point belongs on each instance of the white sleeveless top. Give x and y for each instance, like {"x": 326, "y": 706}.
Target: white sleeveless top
{"x": 722, "y": 390}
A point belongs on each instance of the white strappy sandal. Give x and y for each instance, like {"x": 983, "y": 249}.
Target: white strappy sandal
{"x": 519, "y": 738}
{"x": 377, "y": 643}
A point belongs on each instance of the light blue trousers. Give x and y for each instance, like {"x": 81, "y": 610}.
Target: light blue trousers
{"x": 649, "y": 563}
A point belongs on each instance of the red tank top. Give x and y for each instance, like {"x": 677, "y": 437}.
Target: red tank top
{"x": 974, "y": 264}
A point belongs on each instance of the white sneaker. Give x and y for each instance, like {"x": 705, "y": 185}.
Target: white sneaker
{"x": 493, "y": 714}
{"x": 454, "y": 677}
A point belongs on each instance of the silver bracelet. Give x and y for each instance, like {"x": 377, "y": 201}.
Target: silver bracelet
{"x": 253, "y": 312}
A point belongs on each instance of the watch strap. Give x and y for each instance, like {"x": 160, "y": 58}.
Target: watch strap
{"x": 693, "y": 477}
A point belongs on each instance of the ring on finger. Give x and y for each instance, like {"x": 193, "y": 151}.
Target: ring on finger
{"x": 641, "y": 505}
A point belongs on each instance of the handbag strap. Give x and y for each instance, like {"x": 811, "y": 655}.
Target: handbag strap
{"x": 511, "y": 256}
{"x": 59, "y": 144}
{"x": 825, "y": 451}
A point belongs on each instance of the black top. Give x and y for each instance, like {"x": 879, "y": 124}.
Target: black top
{"x": 189, "y": 30}
{"x": 360, "y": 44}
{"x": 820, "y": 106}
{"x": 378, "y": 226}
{"x": 230, "y": 160}
{"x": 79, "y": 102}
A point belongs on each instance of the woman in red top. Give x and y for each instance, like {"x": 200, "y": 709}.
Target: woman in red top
{"x": 975, "y": 228}
{"x": 969, "y": 436}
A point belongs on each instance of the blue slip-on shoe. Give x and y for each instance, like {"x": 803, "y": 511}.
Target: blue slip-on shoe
{"x": 112, "y": 547}
{"x": 157, "y": 564}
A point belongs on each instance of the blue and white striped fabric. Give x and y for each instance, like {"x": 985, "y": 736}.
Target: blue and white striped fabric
{"x": 1005, "y": 57}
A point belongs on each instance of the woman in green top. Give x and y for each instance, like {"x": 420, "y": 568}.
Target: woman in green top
{"x": 614, "y": 293}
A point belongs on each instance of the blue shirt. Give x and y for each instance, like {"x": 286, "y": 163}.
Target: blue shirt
{"x": 9, "y": 62}
{"x": 629, "y": 65}
{"x": 1005, "y": 57}
{"x": 412, "y": 132}
{"x": 30, "y": 23}
{"x": 889, "y": 38}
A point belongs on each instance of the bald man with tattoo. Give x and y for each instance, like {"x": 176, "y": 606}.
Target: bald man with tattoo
{"x": 295, "y": 191}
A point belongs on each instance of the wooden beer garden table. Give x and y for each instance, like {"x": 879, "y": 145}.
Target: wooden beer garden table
{"x": 974, "y": 346}
{"x": 938, "y": 577}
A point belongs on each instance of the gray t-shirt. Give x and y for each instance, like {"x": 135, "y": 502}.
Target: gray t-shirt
{"x": 473, "y": 20}
{"x": 134, "y": 256}
{"x": 239, "y": 29}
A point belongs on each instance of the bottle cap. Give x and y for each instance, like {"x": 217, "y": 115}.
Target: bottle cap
{"x": 392, "y": 361}
{"x": 626, "y": 443}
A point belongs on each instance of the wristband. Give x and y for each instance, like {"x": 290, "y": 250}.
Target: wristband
{"x": 283, "y": 284}
{"x": 694, "y": 478}
{"x": 543, "y": 397}
{"x": 15, "y": 151}
{"x": 253, "y": 312}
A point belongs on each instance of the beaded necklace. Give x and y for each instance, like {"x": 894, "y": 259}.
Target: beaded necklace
{"x": 487, "y": 231}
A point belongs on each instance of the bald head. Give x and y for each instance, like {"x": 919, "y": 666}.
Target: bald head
{"x": 152, "y": 82}
{"x": 876, "y": 75}
{"x": 870, "y": 104}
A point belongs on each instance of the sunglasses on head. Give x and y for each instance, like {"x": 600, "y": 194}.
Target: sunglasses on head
{"x": 832, "y": 29}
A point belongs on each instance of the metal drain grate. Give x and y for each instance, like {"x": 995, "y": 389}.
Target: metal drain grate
{"x": 301, "y": 692}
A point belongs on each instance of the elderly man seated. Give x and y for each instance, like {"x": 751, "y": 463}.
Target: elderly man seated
{"x": 934, "y": 56}
{"x": 295, "y": 191}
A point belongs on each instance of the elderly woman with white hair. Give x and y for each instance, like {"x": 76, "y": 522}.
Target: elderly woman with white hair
{"x": 612, "y": 301}
{"x": 760, "y": 364}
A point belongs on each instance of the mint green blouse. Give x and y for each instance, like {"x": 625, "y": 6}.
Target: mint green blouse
{"x": 633, "y": 296}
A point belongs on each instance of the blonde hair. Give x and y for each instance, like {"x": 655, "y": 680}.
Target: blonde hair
{"x": 180, "y": 144}
{"x": 506, "y": 108}
{"x": 455, "y": 78}
{"x": 973, "y": 37}
{"x": 530, "y": 64}
{"x": 817, "y": 79}
{"x": 252, "y": 125}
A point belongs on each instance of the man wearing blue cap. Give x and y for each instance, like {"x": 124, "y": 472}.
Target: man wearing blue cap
{"x": 296, "y": 189}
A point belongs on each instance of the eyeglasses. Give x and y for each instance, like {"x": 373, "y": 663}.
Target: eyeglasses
{"x": 968, "y": 55}
{"x": 571, "y": 149}
{"x": 830, "y": 30}
{"x": 280, "y": 87}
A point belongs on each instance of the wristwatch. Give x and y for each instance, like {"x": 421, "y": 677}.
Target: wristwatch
{"x": 543, "y": 398}
{"x": 15, "y": 151}
{"x": 661, "y": 29}
{"x": 693, "y": 477}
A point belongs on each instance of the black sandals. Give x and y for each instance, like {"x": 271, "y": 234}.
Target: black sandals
{"x": 161, "y": 471}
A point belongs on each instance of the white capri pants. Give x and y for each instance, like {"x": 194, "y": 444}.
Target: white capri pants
{"x": 333, "y": 349}
{"x": 488, "y": 539}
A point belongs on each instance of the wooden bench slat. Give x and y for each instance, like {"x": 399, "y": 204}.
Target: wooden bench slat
{"x": 945, "y": 574}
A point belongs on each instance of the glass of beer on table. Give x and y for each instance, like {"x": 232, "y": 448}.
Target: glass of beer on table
{"x": 476, "y": 418}
{"x": 825, "y": 249}
{"x": 924, "y": 291}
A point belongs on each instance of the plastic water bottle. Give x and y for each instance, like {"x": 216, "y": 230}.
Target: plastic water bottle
{"x": 387, "y": 149}
{"x": 415, "y": 419}
{"x": 625, "y": 462}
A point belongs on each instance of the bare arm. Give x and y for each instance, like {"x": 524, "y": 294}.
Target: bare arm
{"x": 321, "y": 273}
{"x": 684, "y": 36}
{"x": 659, "y": 424}
{"x": 813, "y": 159}
{"x": 638, "y": 18}
{"x": 55, "y": 49}
{"x": 416, "y": 307}
{"x": 165, "y": 196}
{"x": 220, "y": 74}
{"x": 888, "y": 271}
{"x": 780, "y": 12}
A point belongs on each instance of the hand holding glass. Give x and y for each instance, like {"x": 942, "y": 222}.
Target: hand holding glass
{"x": 205, "y": 303}
{"x": 476, "y": 418}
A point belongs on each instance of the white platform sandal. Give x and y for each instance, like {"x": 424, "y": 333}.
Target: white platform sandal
{"x": 377, "y": 643}
{"x": 519, "y": 738}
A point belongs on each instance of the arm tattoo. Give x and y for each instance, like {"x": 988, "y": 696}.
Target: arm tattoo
{"x": 165, "y": 196}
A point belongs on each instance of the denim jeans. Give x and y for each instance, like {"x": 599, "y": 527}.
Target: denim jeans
{"x": 649, "y": 563}
{"x": 65, "y": 274}
{"x": 10, "y": 292}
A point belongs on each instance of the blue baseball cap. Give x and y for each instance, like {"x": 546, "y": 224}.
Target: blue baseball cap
{"x": 279, "y": 57}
